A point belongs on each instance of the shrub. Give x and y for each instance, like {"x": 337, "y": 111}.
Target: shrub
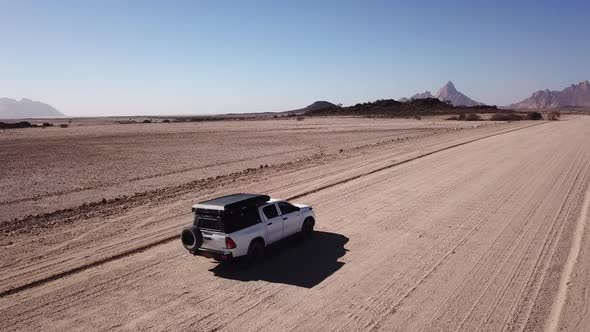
{"x": 466, "y": 117}
{"x": 63, "y": 125}
{"x": 300, "y": 118}
{"x": 166, "y": 121}
{"x": 534, "y": 116}
{"x": 506, "y": 117}
{"x": 553, "y": 116}
{"x": 22, "y": 124}
{"x": 47, "y": 124}
{"x": 146, "y": 121}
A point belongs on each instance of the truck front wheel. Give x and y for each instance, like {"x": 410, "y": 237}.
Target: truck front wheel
{"x": 255, "y": 252}
{"x": 307, "y": 229}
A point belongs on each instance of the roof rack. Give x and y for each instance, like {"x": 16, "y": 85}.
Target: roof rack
{"x": 233, "y": 201}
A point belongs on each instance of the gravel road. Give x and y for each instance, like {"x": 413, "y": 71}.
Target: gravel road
{"x": 481, "y": 229}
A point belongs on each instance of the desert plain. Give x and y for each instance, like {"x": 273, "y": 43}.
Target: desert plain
{"x": 422, "y": 225}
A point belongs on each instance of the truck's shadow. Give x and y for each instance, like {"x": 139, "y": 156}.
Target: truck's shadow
{"x": 303, "y": 264}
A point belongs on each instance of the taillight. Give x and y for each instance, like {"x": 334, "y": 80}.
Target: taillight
{"x": 229, "y": 243}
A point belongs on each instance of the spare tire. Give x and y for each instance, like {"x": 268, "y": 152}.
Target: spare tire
{"x": 191, "y": 238}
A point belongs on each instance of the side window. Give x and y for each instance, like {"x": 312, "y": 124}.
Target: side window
{"x": 242, "y": 218}
{"x": 287, "y": 208}
{"x": 270, "y": 211}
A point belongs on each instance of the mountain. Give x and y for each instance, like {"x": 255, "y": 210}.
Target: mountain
{"x": 449, "y": 93}
{"x": 26, "y": 108}
{"x": 573, "y": 95}
{"x": 423, "y": 95}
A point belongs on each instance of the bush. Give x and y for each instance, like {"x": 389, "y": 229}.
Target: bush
{"x": 553, "y": 116}
{"x": 22, "y": 124}
{"x": 300, "y": 118}
{"x": 146, "y": 121}
{"x": 534, "y": 116}
{"x": 506, "y": 117}
{"x": 47, "y": 124}
{"x": 166, "y": 121}
{"x": 465, "y": 117}
{"x": 63, "y": 125}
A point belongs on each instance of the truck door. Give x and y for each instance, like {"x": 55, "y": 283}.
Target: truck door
{"x": 291, "y": 217}
{"x": 274, "y": 223}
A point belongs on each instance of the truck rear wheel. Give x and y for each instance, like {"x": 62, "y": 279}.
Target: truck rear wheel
{"x": 255, "y": 252}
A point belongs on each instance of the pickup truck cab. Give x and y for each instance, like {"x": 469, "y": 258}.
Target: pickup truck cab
{"x": 238, "y": 225}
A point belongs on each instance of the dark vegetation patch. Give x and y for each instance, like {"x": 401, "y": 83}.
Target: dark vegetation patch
{"x": 507, "y": 117}
{"x": 512, "y": 116}
{"x": 466, "y": 117}
{"x": 26, "y": 124}
{"x": 392, "y": 108}
{"x": 22, "y": 124}
{"x": 534, "y": 116}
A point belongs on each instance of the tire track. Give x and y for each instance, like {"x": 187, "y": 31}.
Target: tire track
{"x": 521, "y": 252}
{"x": 572, "y": 257}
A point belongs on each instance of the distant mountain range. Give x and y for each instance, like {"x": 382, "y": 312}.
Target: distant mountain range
{"x": 574, "y": 95}
{"x": 26, "y": 108}
{"x": 447, "y": 93}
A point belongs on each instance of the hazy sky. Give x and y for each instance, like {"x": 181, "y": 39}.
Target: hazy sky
{"x": 178, "y": 57}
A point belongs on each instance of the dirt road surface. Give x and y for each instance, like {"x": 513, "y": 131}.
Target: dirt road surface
{"x": 483, "y": 229}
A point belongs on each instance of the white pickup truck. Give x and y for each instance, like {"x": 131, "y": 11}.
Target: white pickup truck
{"x": 243, "y": 225}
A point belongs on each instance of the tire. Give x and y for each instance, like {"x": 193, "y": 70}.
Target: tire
{"x": 255, "y": 252}
{"x": 191, "y": 238}
{"x": 307, "y": 229}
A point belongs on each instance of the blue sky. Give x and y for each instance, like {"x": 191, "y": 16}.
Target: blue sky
{"x": 93, "y": 58}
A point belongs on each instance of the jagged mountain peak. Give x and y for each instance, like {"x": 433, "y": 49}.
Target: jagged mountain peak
{"x": 450, "y": 85}
{"x": 450, "y": 94}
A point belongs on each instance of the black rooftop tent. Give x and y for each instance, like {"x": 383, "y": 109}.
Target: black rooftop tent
{"x": 233, "y": 201}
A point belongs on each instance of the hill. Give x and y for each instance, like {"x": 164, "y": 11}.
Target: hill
{"x": 320, "y": 106}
